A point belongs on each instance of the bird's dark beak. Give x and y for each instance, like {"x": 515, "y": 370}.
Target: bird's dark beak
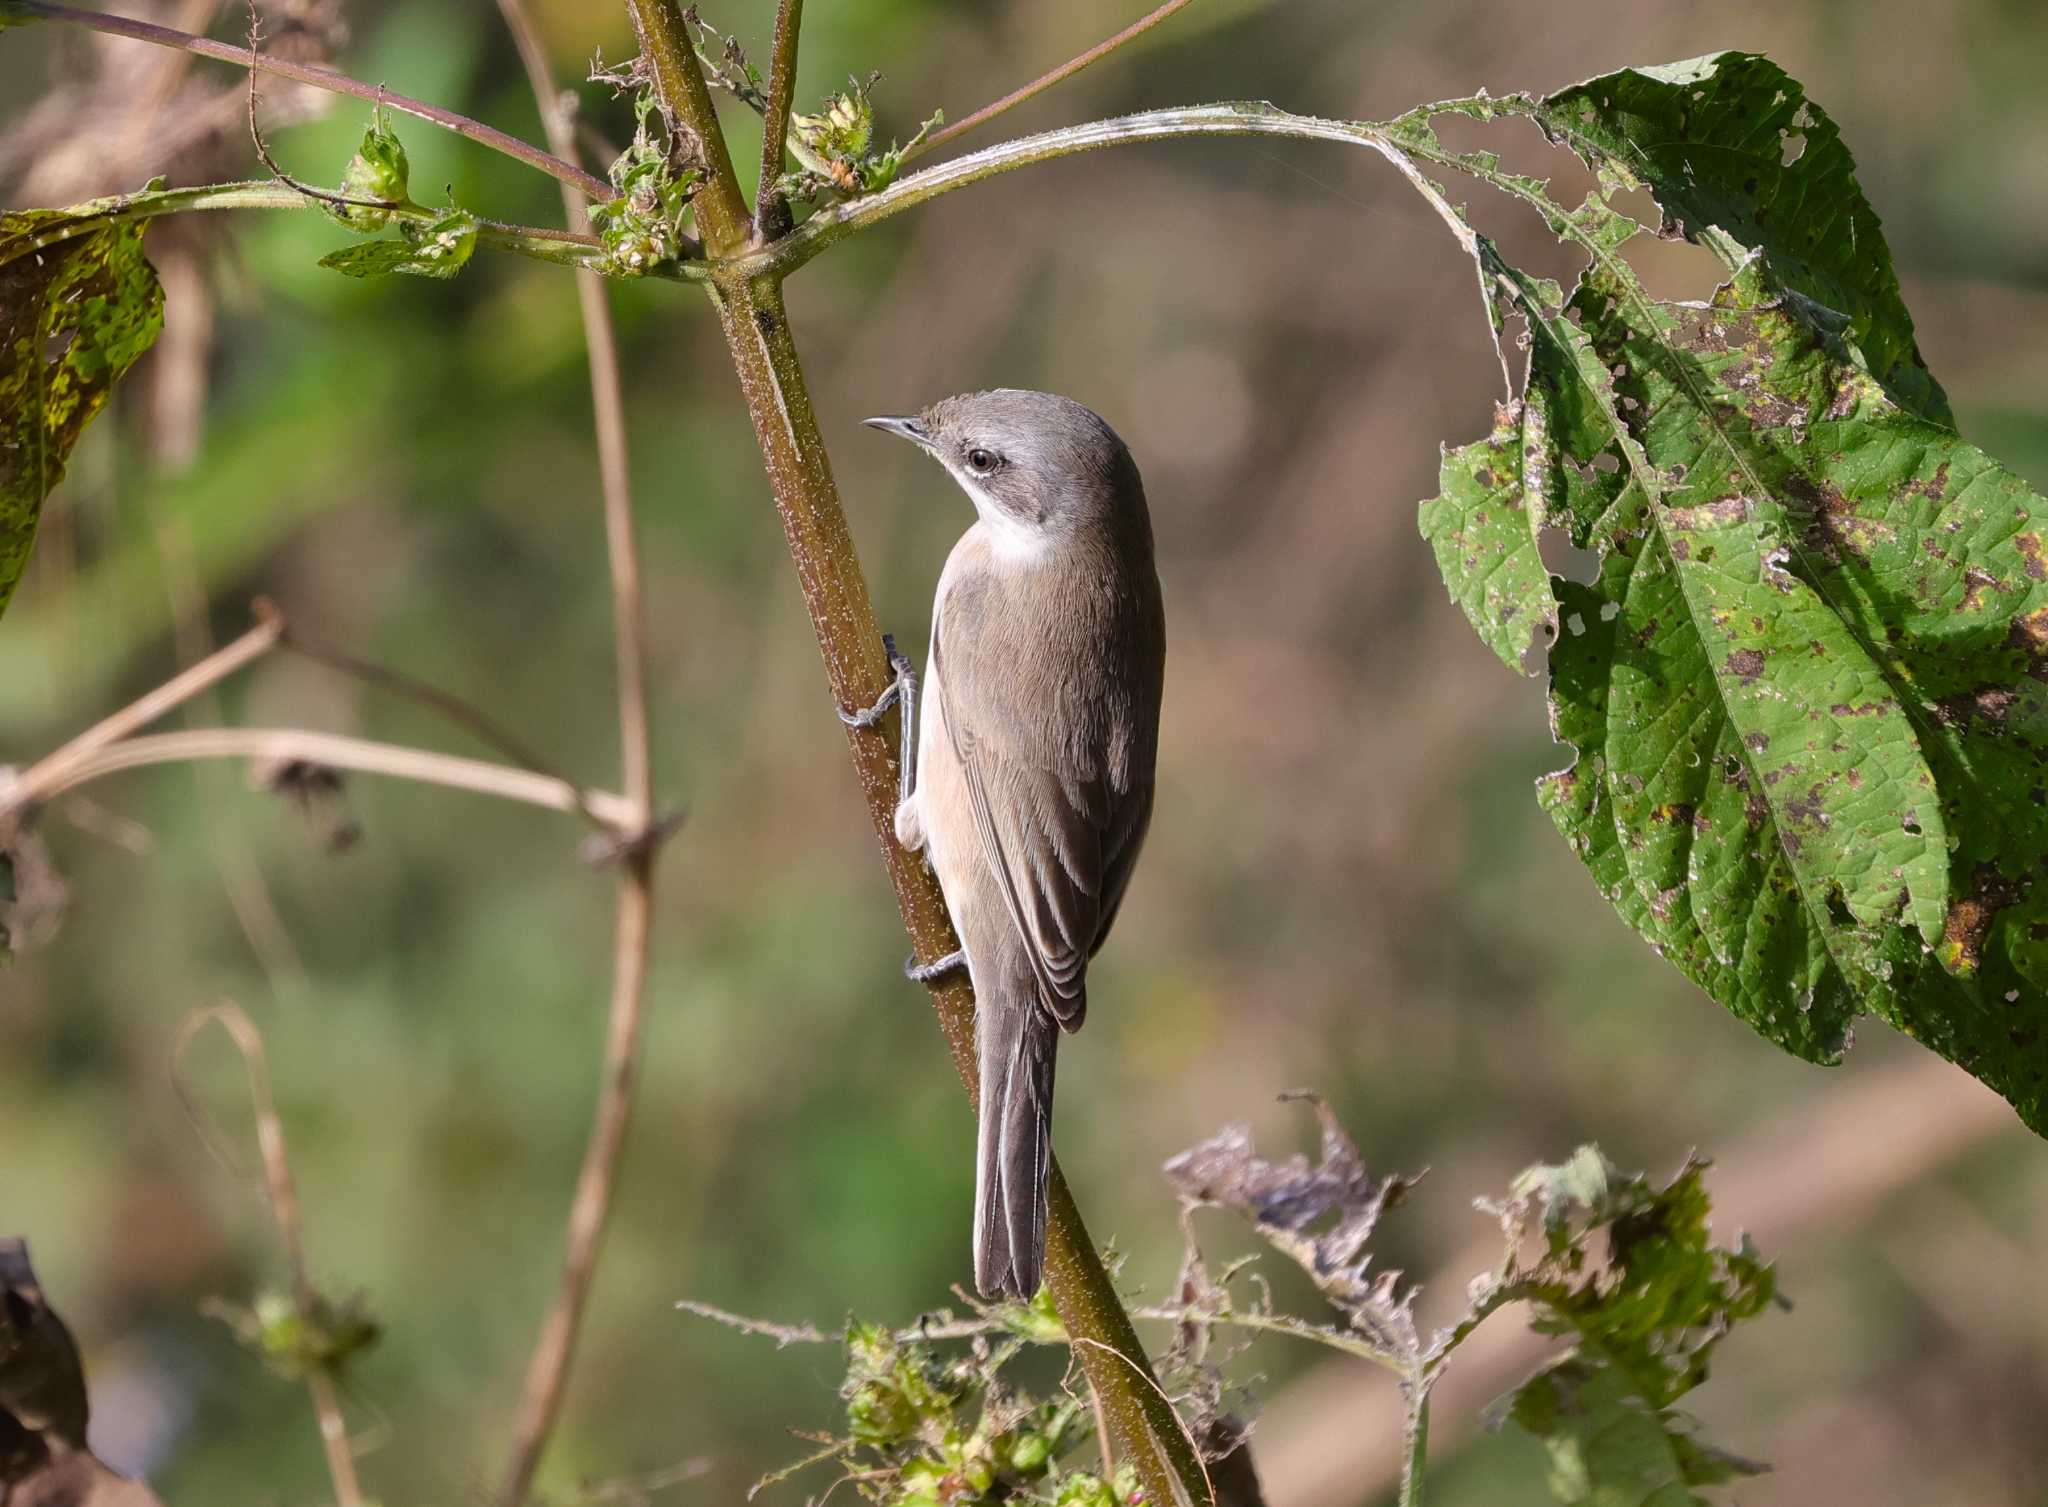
{"x": 909, "y": 429}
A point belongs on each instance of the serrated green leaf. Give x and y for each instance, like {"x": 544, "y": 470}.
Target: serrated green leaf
{"x": 1483, "y": 526}
{"x": 1731, "y": 143}
{"x": 1807, "y": 684}
{"x": 1607, "y": 1448}
{"x": 1644, "y": 1324}
{"x": 78, "y": 307}
{"x": 439, "y": 249}
{"x": 1819, "y": 710}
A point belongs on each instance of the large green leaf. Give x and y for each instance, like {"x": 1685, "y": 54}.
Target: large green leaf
{"x": 1808, "y": 685}
{"x": 76, "y": 311}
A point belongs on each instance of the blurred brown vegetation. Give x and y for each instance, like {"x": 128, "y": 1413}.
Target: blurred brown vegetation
{"x": 1348, "y": 885}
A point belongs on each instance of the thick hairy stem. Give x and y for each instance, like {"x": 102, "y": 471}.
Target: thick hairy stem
{"x": 771, "y": 209}
{"x": 671, "y": 58}
{"x": 328, "y": 79}
{"x": 547, "y": 1372}
{"x": 1146, "y": 1432}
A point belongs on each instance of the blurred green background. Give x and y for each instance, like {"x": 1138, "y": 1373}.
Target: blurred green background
{"x": 1348, "y": 886}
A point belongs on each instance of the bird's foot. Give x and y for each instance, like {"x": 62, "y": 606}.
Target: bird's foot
{"x": 925, "y": 973}
{"x": 901, "y": 689}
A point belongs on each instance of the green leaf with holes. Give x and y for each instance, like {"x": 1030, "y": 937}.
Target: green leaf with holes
{"x": 1643, "y": 1324}
{"x": 1736, "y": 154}
{"x": 1808, "y": 683}
{"x": 79, "y": 303}
{"x": 441, "y": 248}
{"x": 1484, "y": 526}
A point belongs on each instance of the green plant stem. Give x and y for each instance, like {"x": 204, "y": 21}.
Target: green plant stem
{"x": 1240, "y": 118}
{"x": 1147, "y": 1433}
{"x": 771, "y": 209}
{"x": 561, "y": 248}
{"x": 324, "y": 78}
{"x": 1415, "y": 1449}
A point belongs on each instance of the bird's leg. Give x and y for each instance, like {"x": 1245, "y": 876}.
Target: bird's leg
{"x": 902, "y": 689}
{"x": 924, "y": 973}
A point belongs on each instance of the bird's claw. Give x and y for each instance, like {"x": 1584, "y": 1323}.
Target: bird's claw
{"x": 924, "y": 973}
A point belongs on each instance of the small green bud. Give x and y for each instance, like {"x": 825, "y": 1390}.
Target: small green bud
{"x": 1083, "y": 1490}
{"x": 1030, "y": 1454}
{"x": 878, "y": 1413}
{"x": 841, "y": 131}
{"x": 1038, "y": 1321}
{"x": 377, "y": 171}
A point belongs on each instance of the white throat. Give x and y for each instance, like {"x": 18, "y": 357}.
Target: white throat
{"x": 1011, "y": 539}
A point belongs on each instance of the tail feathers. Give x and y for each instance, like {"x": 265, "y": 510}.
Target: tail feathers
{"x": 1017, "y": 1046}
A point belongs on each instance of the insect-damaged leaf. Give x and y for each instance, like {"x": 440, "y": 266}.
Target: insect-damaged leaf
{"x": 1729, "y": 144}
{"x": 1483, "y": 527}
{"x": 78, "y": 305}
{"x": 1321, "y": 1216}
{"x": 1809, "y": 684}
{"x": 439, "y": 249}
{"x": 1644, "y": 1324}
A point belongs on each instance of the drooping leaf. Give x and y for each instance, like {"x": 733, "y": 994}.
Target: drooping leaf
{"x": 1809, "y": 684}
{"x": 78, "y": 307}
{"x": 1321, "y": 1216}
{"x": 1484, "y": 525}
{"x": 1644, "y": 1323}
{"x": 1730, "y": 143}
{"x": 1607, "y": 1447}
{"x": 440, "y": 248}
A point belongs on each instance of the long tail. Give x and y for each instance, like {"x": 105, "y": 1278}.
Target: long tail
{"x": 1016, "y": 1043}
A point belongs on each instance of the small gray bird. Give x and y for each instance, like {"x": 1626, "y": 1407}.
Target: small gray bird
{"x": 1033, "y": 780}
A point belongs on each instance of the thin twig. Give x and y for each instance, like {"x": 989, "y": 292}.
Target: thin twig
{"x": 635, "y": 1489}
{"x": 1414, "y": 1444}
{"x": 771, "y": 209}
{"x": 554, "y": 1349}
{"x": 56, "y": 770}
{"x": 284, "y": 1207}
{"x": 320, "y": 195}
{"x": 241, "y": 877}
{"x": 325, "y": 78}
{"x": 784, "y": 1335}
{"x": 548, "y": 1370}
{"x": 472, "y": 720}
{"x": 333, "y": 750}
{"x": 1046, "y": 81}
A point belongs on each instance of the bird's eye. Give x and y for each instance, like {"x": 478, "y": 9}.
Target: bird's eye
{"x": 981, "y": 461}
